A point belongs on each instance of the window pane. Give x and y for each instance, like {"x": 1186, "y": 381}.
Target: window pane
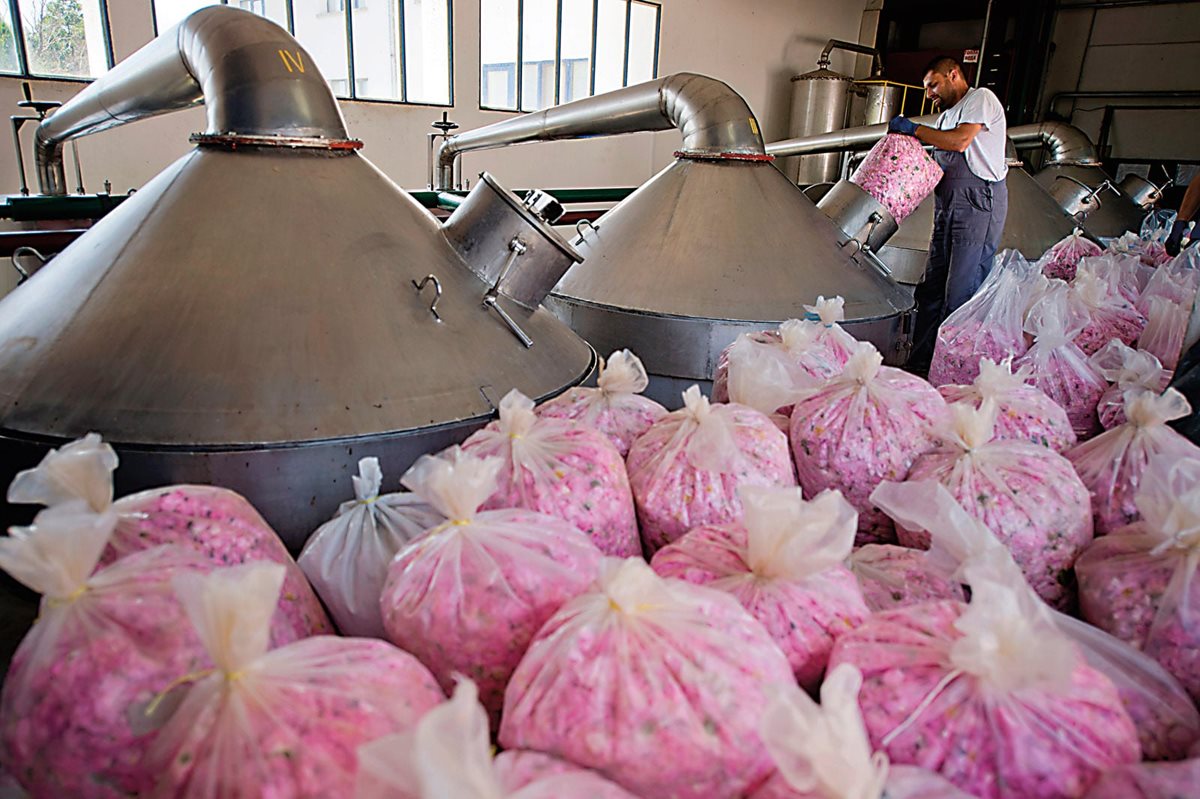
{"x": 171, "y": 12}
{"x": 539, "y": 29}
{"x": 643, "y": 25}
{"x": 610, "y": 45}
{"x": 274, "y": 10}
{"x": 376, "y": 48}
{"x": 575, "y": 75}
{"x": 64, "y": 37}
{"x": 427, "y": 50}
{"x": 8, "y": 42}
{"x": 321, "y": 28}
{"x": 498, "y": 54}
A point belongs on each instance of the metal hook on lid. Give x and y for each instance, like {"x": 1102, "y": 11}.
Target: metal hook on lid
{"x": 579, "y": 228}
{"x": 437, "y": 293}
{"x": 16, "y": 262}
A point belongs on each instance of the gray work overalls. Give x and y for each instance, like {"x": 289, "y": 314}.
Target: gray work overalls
{"x": 968, "y": 218}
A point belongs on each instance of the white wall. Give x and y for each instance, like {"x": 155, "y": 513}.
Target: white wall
{"x": 754, "y": 45}
{"x": 1134, "y": 48}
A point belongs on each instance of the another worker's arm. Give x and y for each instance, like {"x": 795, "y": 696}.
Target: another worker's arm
{"x": 1191, "y": 201}
{"x": 955, "y": 140}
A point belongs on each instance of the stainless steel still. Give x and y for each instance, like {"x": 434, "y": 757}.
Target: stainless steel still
{"x": 263, "y": 314}
{"x": 1142, "y": 191}
{"x": 820, "y": 104}
{"x": 875, "y": 102}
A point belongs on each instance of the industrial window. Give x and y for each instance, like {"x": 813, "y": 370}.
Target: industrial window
{"x": 55, "y": 38}
{"x": 387, "y": 50}
{"x": 566, "y": 49}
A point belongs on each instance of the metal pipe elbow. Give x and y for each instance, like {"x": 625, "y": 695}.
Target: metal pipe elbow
{"x": 1067, "y": 144}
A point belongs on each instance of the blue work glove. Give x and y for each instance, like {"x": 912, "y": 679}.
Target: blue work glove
{"x": 902, "y": 125}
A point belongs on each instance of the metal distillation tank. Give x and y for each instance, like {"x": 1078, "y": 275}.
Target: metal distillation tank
{"x": 268, "y": 309}
{"x": 718, "y": 243}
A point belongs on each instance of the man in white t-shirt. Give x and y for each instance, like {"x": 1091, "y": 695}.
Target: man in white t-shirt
{"x": 970, "y": 202}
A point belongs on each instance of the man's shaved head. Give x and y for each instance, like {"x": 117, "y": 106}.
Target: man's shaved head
{"x": 943, "y": 64}
{"x": 944, "y": 82}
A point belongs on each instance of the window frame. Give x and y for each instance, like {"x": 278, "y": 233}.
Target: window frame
{"x": 23, "y": 71}
{"x": 558, "y": 59}
{"x": 348, "y": 9}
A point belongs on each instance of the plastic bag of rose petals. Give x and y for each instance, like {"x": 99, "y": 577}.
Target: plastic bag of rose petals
{"x": 346, "y": 559}
{"x": 785, "y": 563}
{"x": 822, "y": 751}
{"x": 989, "y": 694}
{"x": 1109, "y": 315}
{"x": 1167, "y": 722}
{"x": 1176, "y": 280}
{"x": 1059, "y": 367}
{"x": 686, "y": 469}
{"x": 1112, "y": 463}
{"x": 72, "y": 714}
{"x": 989, "y": 325}
{"x": 828, "y": 314}
{"x": 284, "y": 722}
{"x": 218, "y": 523}
{"x": 449, "y": 754}
{"x": 1122, "y": 273}
{"x": 898, "y": 173}
{"x": 768, "y": 378}
{"x": 657, "y": 684}
{"x": 1148, "y": 781}
{"x": 557, "y": 467}
{"x": 1128, "y": 370}
{"x": 467, "y": 597}
{"x": 1141, "y": 584}
{"x": 1166, "y": 327}
{"x": 1027, "y": 495}
{"x": 1025, "y": 413}
{"x": 615, "y": 407}
{"x": 1062, "y": 260}
{"x": 864, "y": 426}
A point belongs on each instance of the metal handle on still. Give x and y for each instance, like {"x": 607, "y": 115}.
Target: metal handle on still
{"x": 22, "y": 271}
{"x": 516, "y": 248}
{"x": 437, "y": 293}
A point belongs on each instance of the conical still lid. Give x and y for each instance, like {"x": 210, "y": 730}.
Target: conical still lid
{"x": 724, "y": 240}
{"x": 265, "y": 296}
{"x": 1116, "y": 214}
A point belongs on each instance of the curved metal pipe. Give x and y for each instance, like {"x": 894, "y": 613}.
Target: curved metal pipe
{"x": 1067, "y": 143}
{"x": 252, "y": 76}
{"x": 712, "y": 118}
{"x": 853, "y": 47}
{"x": 838, "y": 140}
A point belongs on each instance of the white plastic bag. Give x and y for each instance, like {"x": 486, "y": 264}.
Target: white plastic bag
{"x": 1176, "y": 281}
{"x": 615, "y": 407}
{"x": 1123, "y": 274}
{"x": 1165, "y": 330}
{"x": 218, "y": 523}
{"x": 989, "y": 325}
{"x": 1024, "y": 412}
{"x": 556, "y": 467}
{"x": 346, "y": 559}
{"x": 784, "y": 563}
{"x": 72, "y": 716}
{"x": 1028, "y": 496}
{"x": 1148, "y": 781}
{"x": 767, "y": 378}
{"x": 799, "y": 348}
{"x": 467, "y": 597}
{"x": 1059, "y": 367}
{"x": 1062, "y": 260}
{"x": 449, "y": 754}
{"x": 686, "y": 470}
{"x": 1112, "y": 463}
{"x": 1128, "y": 370}
{"x": 822, "y": 751}
{"x": 284, "y": 723}
{"x": 657, "y": 684}
{"x": 1141, "y": 584}
{"x": 1109, "y": 315}
{"x": 864, "y": 426}
{"x": 991, "y": 694}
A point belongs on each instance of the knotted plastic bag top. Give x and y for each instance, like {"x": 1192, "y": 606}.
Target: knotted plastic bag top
{"x": 793, "y": 538}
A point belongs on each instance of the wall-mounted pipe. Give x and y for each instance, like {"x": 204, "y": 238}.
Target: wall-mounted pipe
{"x": 854, "y": 47}
{"x": 838, "y": 140}
{"x": 253, "y": 77}
{"x": 1067, "y": 144}
{"x": 712, "y": 118}
{"x": 1180, "y": 94}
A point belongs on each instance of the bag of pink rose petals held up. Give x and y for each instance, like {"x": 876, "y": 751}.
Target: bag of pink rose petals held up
{"x": 557, "y": 467}
{"x": 822, "y": 751}
{"x": 346, "y": 559}
{"x": 991, "y": 695}
{"x": 864, "y": 426}
{"x": 449, "y": 755}
{"x": 898, "y": 173}
{"x": 216, "y": 522}
{"x": 657, "y": 684}
{"x": 286, "y": 722}
{"x": 468, "y": 596}
{"x": 686, "y": 469}
{"x": 615, "y": 407}
{"x": 1111, "y": 464}
{"x": 785, "y": 563}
